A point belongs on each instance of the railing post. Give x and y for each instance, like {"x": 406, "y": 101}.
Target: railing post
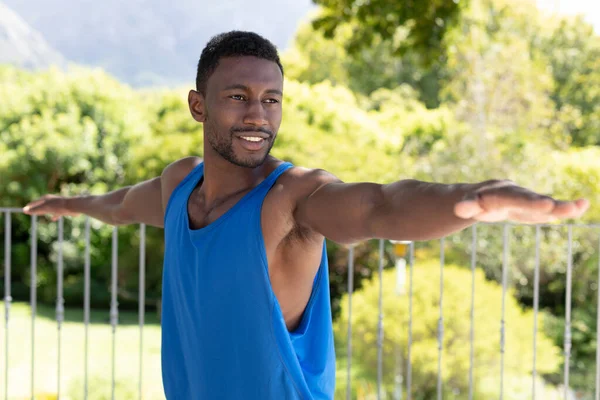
{"x": 7, "y": 297}
{"x": 505, "y": 255}
{"x": 536, "y": 301}
{"x": 567, "y": 348}
{"x": 410, "y": 322}
{"x": 142, "y": 300}
{"x": 60, "y": 308}
{"x": 86, "y": 305}
{"x": 441, "y": 321}
{"x": 33, "y": 296}
{"x": 350, "y": 289}
{"x": 114, "y": 313}
{"x": 598, "y": 329}
{"x": 400, "y": 251}
{"x": 472, "y": 329}
{"x": 380, "y": 323}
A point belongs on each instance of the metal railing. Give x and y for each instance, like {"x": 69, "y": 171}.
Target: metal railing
{"x": 410, "y": 257}
{"x": 60, "y": 310}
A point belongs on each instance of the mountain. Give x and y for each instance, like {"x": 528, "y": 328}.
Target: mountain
{"x": 22, "y": 45}
{"x": 153, "y": 42}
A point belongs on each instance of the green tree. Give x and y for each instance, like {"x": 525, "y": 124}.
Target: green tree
{"x": 422, "y": 23}
{"x": 455, "y": 360}
{"x": 314, "y": 58}
{"x": 66, "y": 134}
{"x": 494, "y": 82}
{"x": 572, "y": 50}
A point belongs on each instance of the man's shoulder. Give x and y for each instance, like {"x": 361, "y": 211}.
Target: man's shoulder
{"x": 179, "y": 169}
{"x": 174, "y": 173}
{"x": 297, "y": 183}
{"x": 301, "y": 182}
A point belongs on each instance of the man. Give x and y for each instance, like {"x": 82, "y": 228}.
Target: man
{"x": 246, "y": 311}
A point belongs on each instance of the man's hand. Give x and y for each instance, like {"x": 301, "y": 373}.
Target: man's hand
{"x": 504, "y": 200}
{"x": 55, "y": 206}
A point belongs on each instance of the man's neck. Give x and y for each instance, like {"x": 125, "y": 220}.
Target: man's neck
{"x": 223, "y": 178}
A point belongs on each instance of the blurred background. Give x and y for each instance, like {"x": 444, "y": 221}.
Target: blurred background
{"x": 93, "y": 97}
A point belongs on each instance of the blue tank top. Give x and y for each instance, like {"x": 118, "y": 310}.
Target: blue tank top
{"x": 223, "y": 332}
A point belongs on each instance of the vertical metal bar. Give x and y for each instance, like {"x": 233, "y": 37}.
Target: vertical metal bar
{"x": 7, "y": 297}
{"x": 350, "y": 288}
{"x": 380, "y": 324}
{"x": 472, "y": 333}
{"x": 568, "y": 311}
{"x": 410, "y": 318}
{"x": 505, "y": 237}
{"x": 598, "y": 329}
{"x": 536, "y": 302}
{"x": 114, "y": 314}
{"x": 441, "y": 322}
{"x": 33, "y": 296}
{"x": 60, "y": 308}
{"x": 142, "y": 299}
{"x": 86, "y": 305}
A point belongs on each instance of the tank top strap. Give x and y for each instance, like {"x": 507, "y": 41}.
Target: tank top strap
{"x": 180, "y": 194}
{"x": 270, "y": 180}
{"x": 277, "y": 173}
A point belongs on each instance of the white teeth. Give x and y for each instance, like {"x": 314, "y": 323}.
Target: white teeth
{"x": 251, "y": 139}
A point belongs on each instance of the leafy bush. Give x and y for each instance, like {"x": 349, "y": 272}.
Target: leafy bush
{"x": 455, "y": 361}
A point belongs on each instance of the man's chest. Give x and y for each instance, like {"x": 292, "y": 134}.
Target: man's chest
{"x": 293, "y": 257}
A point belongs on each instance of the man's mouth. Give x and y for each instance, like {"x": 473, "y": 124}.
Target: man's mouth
{"x": 253, "y": 142}
{"x": 254, "y": 139}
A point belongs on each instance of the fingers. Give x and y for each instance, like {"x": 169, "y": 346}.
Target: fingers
{"x": 516, "y": 198}
{"x": 570, "y": 209}
{"x": 46, "y": 204}
{"x": 32, "y": 205}
{"x": 35, "y": 205}
{"x": 495, "y": 204}
{"x": 582, "y": 205}
{"x": 36, "y": 208}
{"x": 508, "y": 202}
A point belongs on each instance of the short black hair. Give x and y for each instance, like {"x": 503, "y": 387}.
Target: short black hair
{"x": 233, "y": 44}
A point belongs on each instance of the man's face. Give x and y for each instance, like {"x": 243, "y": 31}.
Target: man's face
{"x": 242, "y": 109}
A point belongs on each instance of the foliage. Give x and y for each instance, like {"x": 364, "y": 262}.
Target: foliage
{"x": 321, "y": 118}
{"x": 68, "y": 134}
{"x": 314, "y": 58}
{"x": 423, "y": 23}
{"x": 572, "y": 50}
{"x": 518, "y": 356}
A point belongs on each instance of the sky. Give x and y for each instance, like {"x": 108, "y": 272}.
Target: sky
{"x": 589, "y": 8}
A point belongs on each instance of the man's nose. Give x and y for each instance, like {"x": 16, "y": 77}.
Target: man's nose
{"x": 256, "y": 113}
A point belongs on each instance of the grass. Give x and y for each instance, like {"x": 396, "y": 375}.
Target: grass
{"x": 72, "y": 367}
{"x": 99, "y": 356}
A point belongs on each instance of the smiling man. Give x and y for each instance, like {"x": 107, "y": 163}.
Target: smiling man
{"x": 246, "y": 308}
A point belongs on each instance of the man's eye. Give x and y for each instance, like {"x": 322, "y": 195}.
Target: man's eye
{"x": 272, "y": 101}
{"x": 237, "y": 97}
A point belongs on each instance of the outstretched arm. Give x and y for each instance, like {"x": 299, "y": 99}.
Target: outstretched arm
{"x": 415, "y": 210}
{"x": 144, "y": 202}
{"x": 140, "y": 203}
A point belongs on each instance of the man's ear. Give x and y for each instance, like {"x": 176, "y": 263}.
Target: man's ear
{"x": 197, "y": 104}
